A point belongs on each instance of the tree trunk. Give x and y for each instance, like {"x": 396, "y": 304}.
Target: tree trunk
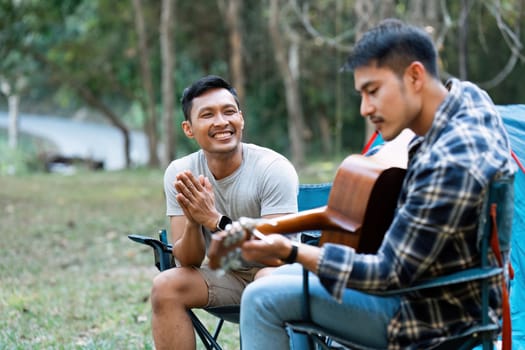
{"x": 13, "y": 100}
{"x": 296, "y": 124}
{"x": 463, "y": 40}
{"x": 233, "y": 20}
{"x": 12, "y": 134}
{"x": 369, "y": 14}
{"x": 326, "y": 135}
{"x": 88, "y": 96}
{"x": 168, "y": 79}
{"x": 147, "y": 81}
{"x": 415, "y": 13}
{"x": 339, "y": 96}
{"x": 364, "y": 10}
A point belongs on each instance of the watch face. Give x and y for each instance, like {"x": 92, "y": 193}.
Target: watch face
{"x": 223, "y": 222}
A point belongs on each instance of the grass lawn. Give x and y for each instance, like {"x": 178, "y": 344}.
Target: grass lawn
{"x": 69, "y": 276}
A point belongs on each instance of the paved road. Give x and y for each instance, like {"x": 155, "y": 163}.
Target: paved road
{"x": 82, "y": 139}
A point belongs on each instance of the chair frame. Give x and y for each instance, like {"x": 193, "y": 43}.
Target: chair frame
{"x": 309, "y": 196}
{"x": 500, "y": 193}
{"x": 162, "y": 251}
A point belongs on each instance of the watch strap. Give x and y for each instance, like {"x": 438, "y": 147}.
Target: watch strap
{"x": 292, "y": 257}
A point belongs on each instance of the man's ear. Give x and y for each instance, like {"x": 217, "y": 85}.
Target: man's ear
{"x": 242, "y": 118}
{"x": 415, "y": 74}
{"x": 186, "y": 127}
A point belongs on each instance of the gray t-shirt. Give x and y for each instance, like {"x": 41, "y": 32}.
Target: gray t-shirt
{"x": 266, "y": 183}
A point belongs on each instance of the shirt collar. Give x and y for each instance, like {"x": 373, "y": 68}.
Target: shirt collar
{"x": 447, "y": 108}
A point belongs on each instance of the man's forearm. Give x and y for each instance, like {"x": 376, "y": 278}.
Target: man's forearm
{"x": 190, "y": 248}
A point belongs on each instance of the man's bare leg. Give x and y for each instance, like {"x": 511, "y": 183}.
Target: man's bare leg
{"x": 174, "y": 291}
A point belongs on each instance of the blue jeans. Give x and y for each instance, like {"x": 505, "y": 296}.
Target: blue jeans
{"x": 270, "y": 301}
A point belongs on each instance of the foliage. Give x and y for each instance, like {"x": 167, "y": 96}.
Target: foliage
{"x": 488, "y": 51}
{"x": 93, "y": 44}
{"x": 26, "y": 158}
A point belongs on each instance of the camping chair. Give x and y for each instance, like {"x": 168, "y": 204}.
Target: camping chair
{"x": 309, "y": 196}
{"x": 494, "y": 232}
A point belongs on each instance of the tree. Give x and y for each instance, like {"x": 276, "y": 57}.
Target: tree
{"x": 288, "y": 66}
{"x": 13, "y": 82}
{"x": 148, "y": 100}
{"x": 232, "y": 12}
{"x": 168, "y": 65}
{"x": 51, "y": 39}
{"x": 282, "y": 56}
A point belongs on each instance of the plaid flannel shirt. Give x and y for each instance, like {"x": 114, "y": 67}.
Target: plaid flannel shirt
{"x": 434, "y": 231}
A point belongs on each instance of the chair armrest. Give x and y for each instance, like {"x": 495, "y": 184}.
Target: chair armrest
{"x": 468, "y": 275}
{"x": 161, "y": 250}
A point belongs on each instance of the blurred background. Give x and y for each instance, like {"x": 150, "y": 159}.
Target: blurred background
{"x": 98, "y": 82}
{"x": 91, "y": 89}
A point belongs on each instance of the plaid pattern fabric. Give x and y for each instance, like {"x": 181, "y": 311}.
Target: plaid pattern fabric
{"x": 434, "y": 230}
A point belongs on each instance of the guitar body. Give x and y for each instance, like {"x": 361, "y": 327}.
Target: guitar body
{"x": 360, "y": 208}
{"x": 363, "y": 200}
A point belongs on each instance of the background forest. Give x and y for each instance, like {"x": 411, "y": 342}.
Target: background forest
{"x": 127, "y": 62}
{"x": 69, "y": 276}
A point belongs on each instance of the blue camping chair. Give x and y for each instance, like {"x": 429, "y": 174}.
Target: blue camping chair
{"x": 496, "y": 218}
{"x": 310, "y": 196}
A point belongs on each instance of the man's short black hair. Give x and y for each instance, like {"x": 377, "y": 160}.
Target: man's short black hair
{"x": 201, "y": 86}
{"x": 394, "y": 44}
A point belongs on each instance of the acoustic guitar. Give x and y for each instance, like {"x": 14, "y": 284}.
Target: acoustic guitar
{"x": 360, "y": 208}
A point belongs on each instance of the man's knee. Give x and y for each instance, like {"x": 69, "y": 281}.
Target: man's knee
{"x": 174, "y": 288}
{"x": 254, "y": 294}
{"x": 165, "y": 289}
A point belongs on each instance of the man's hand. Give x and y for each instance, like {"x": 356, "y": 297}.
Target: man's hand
{"x": 276, "y": 252}
{"x": 270, "y": 254}
{"x": 196, "y": 199}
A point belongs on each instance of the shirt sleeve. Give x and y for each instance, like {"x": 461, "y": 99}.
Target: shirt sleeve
{"x": 335, "y": 265}
{"x": 280, "y": 188}
{"x": 172, "y": 206}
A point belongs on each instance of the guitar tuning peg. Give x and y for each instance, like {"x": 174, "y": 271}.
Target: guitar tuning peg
{"x": 227, "y": 241}
{"x": 238, "y": 236}
{"x": 236, "y": 262}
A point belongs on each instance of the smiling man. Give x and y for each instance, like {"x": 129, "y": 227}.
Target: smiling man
{"x": 223, "y": 181}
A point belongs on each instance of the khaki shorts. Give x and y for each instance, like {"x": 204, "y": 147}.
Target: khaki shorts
{"x": 226, "y": 289}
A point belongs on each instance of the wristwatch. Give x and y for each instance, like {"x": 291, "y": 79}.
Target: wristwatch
{"x": 223, "y": 222}
{"x": 292, "y": 257}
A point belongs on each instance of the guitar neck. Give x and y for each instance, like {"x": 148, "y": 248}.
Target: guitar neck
{"x": 224, "y": 252}
{"x": 308, "y": 220}
{"x": 362, "y": 201}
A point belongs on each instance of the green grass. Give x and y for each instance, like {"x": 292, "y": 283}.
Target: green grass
{"x": 69, "y": 276}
